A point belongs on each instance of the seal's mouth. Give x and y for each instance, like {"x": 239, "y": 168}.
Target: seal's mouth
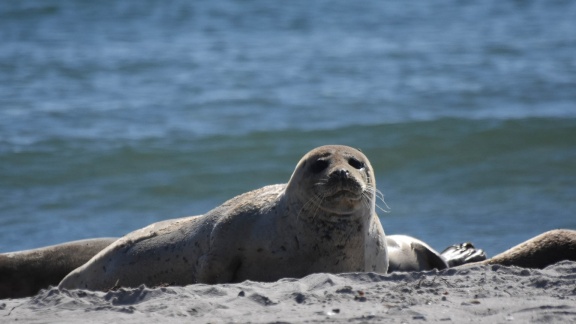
{"x": 342, "y": 201}
{"x": 345, "y": 194}
{"x": 338, "y": 188}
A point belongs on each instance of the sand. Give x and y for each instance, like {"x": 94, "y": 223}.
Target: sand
{"x": 479, "y": 294}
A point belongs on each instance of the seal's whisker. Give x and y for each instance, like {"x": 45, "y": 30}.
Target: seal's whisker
{"x": 382, "y": 209}
{"x": 369, "y": 197}
{"x": 380, "y": 196}
{"x": 366, "y": 200}
{"x": 320, "y": 199}
{"x": 305, "y": 206}
{"x": 312, "y": 206}
{"x": 378, "y": 193}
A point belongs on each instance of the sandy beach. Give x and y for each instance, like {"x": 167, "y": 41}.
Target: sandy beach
{"x": 479, "y": 294}
{"x": 115, "y": 116}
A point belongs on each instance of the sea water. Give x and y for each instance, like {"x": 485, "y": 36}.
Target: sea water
{"x": 117, "y": 114}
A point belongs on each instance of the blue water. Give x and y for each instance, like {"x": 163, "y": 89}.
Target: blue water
{"x": 116, "y": 114}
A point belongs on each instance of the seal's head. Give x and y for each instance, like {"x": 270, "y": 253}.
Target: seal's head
{"x": 335, "y": 179}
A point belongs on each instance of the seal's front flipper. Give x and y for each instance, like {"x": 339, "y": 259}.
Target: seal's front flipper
{"x": 459, "y": 254}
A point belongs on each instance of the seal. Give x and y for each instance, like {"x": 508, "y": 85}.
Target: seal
{"x": 24, "y": 273}
{"x": 406, "y": 253}
{"x": 540, "y": 251}
{"x": 322, "y": 220}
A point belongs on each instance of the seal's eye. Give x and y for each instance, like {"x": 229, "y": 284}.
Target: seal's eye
{"x": 356, "y": 164}
{"x": 319, "y": 166}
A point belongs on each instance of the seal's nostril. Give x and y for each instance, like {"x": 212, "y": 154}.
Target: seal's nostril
{"x": 342, "y": 173}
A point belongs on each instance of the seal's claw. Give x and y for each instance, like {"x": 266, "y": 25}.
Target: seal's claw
{"x": 459, "y": 254}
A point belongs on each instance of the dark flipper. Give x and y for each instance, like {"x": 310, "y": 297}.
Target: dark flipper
{"x": 432, "y": 258}
{"x": 459, "y": 254}
{"x": 24, "y": 273}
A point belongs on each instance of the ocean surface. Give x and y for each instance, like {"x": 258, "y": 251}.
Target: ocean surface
{"x": 117, "y": 114}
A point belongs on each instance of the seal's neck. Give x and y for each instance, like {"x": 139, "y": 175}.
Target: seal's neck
{"x": 309, "y": 217}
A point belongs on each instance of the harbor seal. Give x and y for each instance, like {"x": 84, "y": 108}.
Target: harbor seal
{"x": 322, "y": 220}
{"x": 406, "y": 253}
{"x": 540, "y": 251}
{"x": 24, "y": 273}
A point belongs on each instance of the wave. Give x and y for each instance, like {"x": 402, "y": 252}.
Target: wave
{"x": 432, "y": 146}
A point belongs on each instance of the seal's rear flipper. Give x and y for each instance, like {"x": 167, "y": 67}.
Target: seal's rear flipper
{"x": 459, "y": 254}
{"x": 24, "y": 273}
